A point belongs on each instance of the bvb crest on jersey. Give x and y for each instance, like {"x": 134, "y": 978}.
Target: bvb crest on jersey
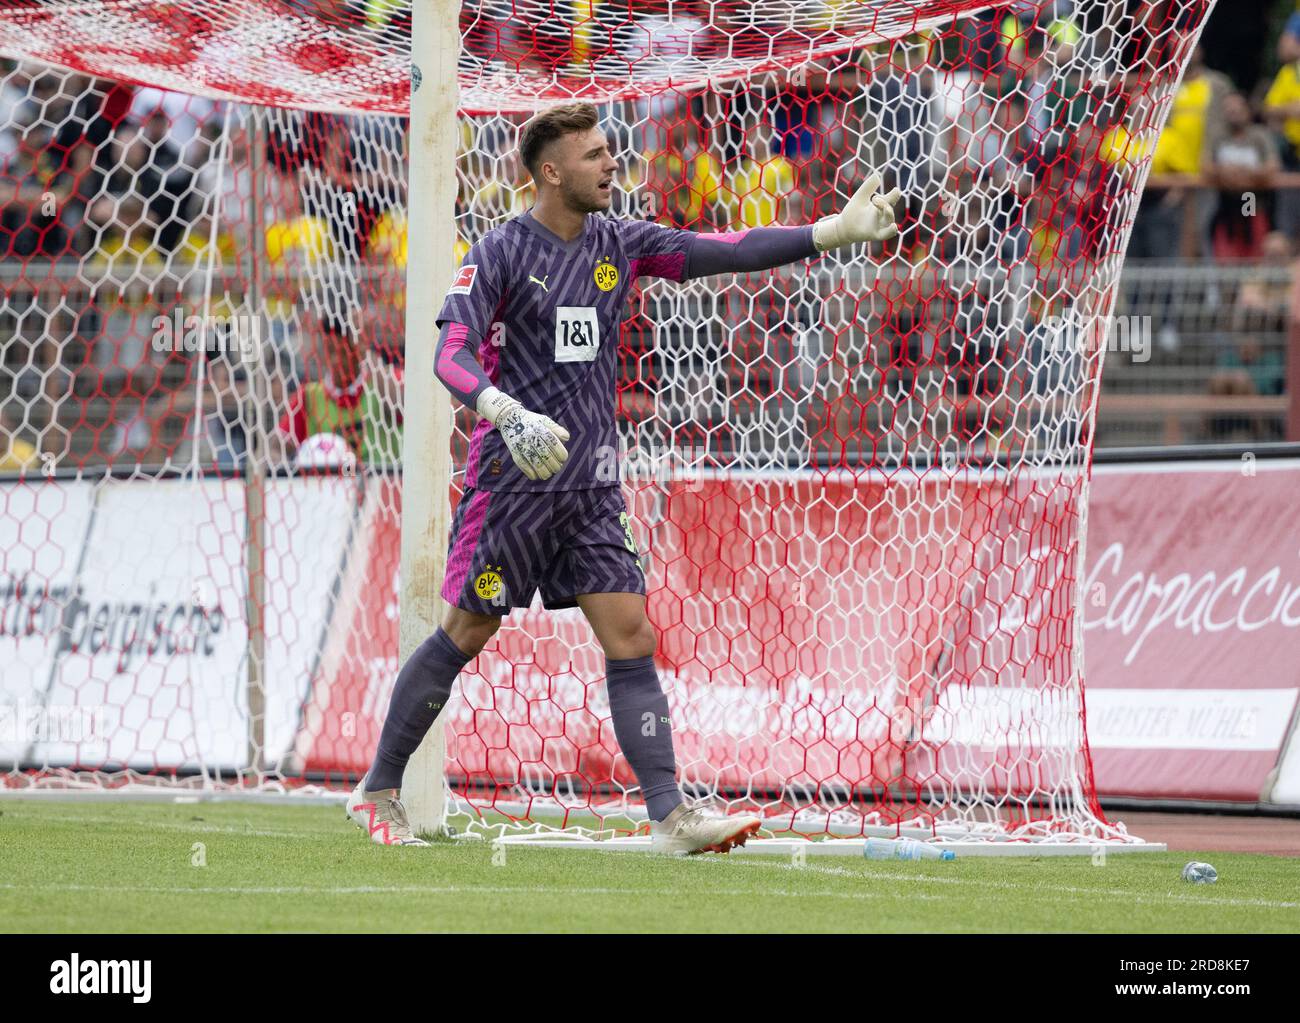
{"x": 606, "y": 276}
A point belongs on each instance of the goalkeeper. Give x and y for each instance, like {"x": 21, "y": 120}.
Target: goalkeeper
{"x": 529, "y": 333}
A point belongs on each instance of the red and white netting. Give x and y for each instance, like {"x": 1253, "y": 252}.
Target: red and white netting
{"x": 860, "y": 483}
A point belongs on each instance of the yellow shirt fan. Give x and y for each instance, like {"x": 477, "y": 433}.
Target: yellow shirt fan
{"x": 308, "y": 235}
{"x": 755, "y": 190}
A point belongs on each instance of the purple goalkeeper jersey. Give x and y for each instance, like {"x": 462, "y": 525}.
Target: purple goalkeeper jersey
{"x": 543, "y": 315}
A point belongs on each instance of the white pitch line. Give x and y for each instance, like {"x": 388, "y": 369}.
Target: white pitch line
{"x": 203, "y": 826}
{"x": 1010, "y": 886}
{"x": 440, "y": 890}
{"x": 1046, "y": 895}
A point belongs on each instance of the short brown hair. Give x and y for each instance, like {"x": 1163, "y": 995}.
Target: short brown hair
{"x": 549, "y": 125}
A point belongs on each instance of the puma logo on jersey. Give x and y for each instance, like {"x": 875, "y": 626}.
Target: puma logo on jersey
{"x": 542, "y": 282}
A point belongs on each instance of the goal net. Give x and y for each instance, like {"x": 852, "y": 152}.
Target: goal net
{"x": 858, "y": 484}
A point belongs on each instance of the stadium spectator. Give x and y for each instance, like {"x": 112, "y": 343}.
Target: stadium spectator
{"x": 346, "y": 170}
{"x": 1263, "y": 301}
{"x": 729, "y": 156}
{"x": 131, "y": 433}
{"x": 184, "y": 116}
{"x": 122, "y": 249}
{"x": 1006, "y": 146}
{"x": 987, "y": 205}
{"x": 1056, "y": 236}
{"x": 703, "y": 173}
{"x": 655, "y": 47}
{"x": 229, "y": 407}
{"x": 28, "y": 210}
{"x": 75, "y": 185}
{"x": 133, "y": 175}
{"x": 1282, "y": 109}
{"x": 377, "y": 159}
{"x": 1059, "y": 104}
{"x": 1245, "y": 368}
{"x": 896, "y": 112}
{"x": 686, "y": 180}
{"x": 842, "y": 115}
{"x": 15, "y": 105}
{"x": 756, "y": 184}
{"x": 352, "y": 398}
{"x": 1196, "y": 118}
{"x": 203, "y": 245}
{"x": 1288, "y": 44}
{"x": 388, "y": 240}
{"x": 223, "y": 184}
{"x": 295, "y": 247}
{"x": 664, "y": 194}
{"x": 907, "y": 298}
{"x": 16, "y": 454}
{"x": 1241, "y": 160}
{"x": 351, "y": 180}
{"x": 304, "y": 239}
{"x": 382, "y": 403}
{"x": 172, "y": 205}
{"x": 980, "y": 42}
{"x": 1026, "y": 30}
{"x": 89, "y": 109}
{"x": 504, "y": 195}
{"x": 225, "y": 397}
{"x": 794, "y": 112}
{"x": 164, "y": 148}
{"x": 332, "y": 403}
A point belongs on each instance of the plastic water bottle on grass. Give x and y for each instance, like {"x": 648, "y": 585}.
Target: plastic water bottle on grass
{"x": 1200, "y": 873}
{"x": 903, "y": 849}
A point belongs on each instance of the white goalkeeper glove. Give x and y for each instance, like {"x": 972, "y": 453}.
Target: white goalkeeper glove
{"x": 868, "y": 217}
{"x": 534, "y": 440}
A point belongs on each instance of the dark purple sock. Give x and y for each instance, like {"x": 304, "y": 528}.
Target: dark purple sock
{"x": 639, "y": 709}
{"x": 423, "y": 685}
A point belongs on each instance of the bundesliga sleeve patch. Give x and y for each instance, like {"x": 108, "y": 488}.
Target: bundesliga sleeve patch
{"x": 464, "y": 282}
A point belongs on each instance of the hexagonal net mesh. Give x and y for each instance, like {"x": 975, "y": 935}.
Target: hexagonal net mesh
{"x": 859, "y": 483}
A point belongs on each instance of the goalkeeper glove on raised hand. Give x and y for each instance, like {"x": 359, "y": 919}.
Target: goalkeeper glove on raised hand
{"x": 868, "y": 217}
{"x": 534, "y": 440}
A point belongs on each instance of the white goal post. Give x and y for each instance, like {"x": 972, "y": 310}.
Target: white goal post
{"x": 426, "y": 452}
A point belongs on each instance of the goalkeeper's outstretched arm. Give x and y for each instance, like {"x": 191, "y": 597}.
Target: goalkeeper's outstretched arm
{"x": 868, "y": 217}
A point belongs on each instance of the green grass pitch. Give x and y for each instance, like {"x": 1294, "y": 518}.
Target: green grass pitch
{"x": 133, "y": 866}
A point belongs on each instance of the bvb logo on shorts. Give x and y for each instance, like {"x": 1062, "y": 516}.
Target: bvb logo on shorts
{"x": 606, "y": 276}
{"x": 488, "y": 584}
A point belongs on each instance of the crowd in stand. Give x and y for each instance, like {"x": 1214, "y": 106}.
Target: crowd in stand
{"x": 119, "y": 205}
{"x": 131, "y": 196}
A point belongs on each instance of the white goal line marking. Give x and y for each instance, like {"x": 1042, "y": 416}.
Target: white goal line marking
{"x": 1046, "y": 895}
{"x": 1047, "y": 889}
{"x": 444, "y": 890}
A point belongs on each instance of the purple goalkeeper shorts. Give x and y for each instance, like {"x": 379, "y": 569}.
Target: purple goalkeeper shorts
{"x": 506, "y": 545}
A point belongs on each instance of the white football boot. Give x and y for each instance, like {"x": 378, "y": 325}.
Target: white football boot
{"x": 382, "y": 816}
{"x": 685, "y": 832}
